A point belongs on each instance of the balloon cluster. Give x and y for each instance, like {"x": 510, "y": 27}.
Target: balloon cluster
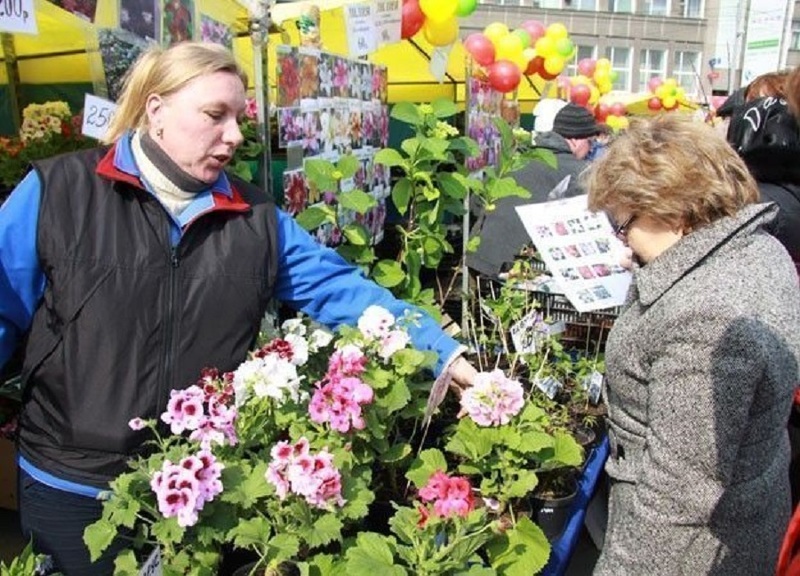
{"x": 438, "y": 19}
{"x": 666, "y": 94}
{"x": 612, "y": 115}
{"x": 530, "y": 49}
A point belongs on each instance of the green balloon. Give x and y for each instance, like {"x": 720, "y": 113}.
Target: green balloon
{"x": 524, "y": 36}
{"x": 466, "y": 7}
{"x": 564, "y": 47}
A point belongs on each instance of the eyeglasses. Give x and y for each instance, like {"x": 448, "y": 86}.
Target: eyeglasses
{"x": 621, "y": 230}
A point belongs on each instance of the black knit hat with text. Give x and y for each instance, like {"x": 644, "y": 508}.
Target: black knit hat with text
{"x": 574, "y": 121}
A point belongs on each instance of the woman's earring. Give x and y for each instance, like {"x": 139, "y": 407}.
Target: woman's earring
{"x": 159, "y": 132}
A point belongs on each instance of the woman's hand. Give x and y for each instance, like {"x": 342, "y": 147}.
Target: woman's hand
{"x": 463, "y": 374}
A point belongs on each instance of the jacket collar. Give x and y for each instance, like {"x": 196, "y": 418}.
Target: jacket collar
{"x": 119, "y": 165}
{"x": 654, "y": 279}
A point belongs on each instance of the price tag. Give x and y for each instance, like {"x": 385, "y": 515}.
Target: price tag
{"x": 97, "y": 114}
{"x": 18, "y": 16}
{"x": 153, "y": 565}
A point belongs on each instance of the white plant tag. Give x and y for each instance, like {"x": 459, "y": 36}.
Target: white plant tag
{"x": 550, "y": 386}
{"x": 153, "y": 565}
{"x": 528, "y": 332}
{"x": 593, "y": 384}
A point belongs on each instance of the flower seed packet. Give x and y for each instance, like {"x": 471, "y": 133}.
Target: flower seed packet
{"x": 288, "y": 76}
{"x": 295, "y": 191}
{"x": 141, "y": 17}
{"x": 212, "y": 30}
{"x": 308, "y": 62}
{"x": 84, "y": 9}
{"x": 119, "y": 49}
{"x": 178, "y": 21}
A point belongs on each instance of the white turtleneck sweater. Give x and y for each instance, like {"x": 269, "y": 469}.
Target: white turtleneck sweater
{"x": 174, "y": 199}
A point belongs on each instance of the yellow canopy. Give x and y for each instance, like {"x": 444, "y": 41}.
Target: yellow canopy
{"x": 66, "y": 50}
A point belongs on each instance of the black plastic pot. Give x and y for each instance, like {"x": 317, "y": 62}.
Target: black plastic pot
{"x": 285, "y": 569}
{"x": 552, "y": 511}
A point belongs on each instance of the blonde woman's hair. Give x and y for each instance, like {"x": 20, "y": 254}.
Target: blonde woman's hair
{"x": 164, "y": 71}
{"x": 677, "y": 171}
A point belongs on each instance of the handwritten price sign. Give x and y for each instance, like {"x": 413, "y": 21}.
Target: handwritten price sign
{"x": 97, "y": 115}
{"x": 18, "y": 16}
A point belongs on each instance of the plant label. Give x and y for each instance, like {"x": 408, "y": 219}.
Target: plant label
{"x": 528, "y": 332}
{"x": 593, "y": 384}
{"x": 153, "y": 565}
{"x": 550, "y": 386}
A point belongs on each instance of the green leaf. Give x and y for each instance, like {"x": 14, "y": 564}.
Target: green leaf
{"x": 522, "y": 485}
{"x": 396, "y": 453}
{"x": 388, "y": 273}
{"x": 125, "y": 564}
{"x": 534, "y": 441}
{"x": 505, "y": 187}
{"x": 444, "y": 108}
{"x": 521, "y": 551}
{"x": 315, "y": 216}
{"x": 406, "y": 112}
{"x": 357, "y": 200}
{"x": 250, "y": 532}
{"x": 371, "y": 556}
{"x": 411, "y": 147}
{"x": 356, "y": 234}
{"x": 245, "y": 486}
{"x": 347, "y": 166}
{"x": 567, "y": 450}
{"x": 543, "y": 155}
{"x": 283, "y": 547}
{"x": 452, "y": 184}
{"x": 389, "y": 157}
{"x": 402, "y": 191}
{"x": 327, "y": 528}
{"x": 168, "y": 530}
{"x": 397, "y": 397}
{"x": 320, "y": 172}
{"x": 424, "y": 466}
{"x": 99, "y": 536}
{"x": 436, "y": 146}
{"x": 473, "y": 244}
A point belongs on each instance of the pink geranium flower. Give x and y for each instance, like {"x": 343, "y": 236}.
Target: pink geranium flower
{"x": 493, "y": 399}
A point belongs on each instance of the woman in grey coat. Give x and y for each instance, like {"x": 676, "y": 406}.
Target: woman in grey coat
{"x": 702, "y": 363}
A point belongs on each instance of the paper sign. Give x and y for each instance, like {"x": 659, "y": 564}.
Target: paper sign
{"x": 18, "y": 16}
{"x": 153, "y": 565}
{"x": 580, "y": 251}
{"x": 361, "y": 32}
{"x": 388, "y": 20}
{"x": 97, "y": 114}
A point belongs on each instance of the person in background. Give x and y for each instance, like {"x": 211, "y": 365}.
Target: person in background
{"x": 127, "y": 269}
{"x": 702, "y": 362}
{"x": 502, "y": 234}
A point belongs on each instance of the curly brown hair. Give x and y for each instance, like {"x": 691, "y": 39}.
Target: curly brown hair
{"x": 675, "y": 170}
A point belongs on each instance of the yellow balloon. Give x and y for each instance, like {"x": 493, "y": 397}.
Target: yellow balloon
{"x": 545, "y": 47}
{"x": 438, "y": 10}
{"x": 509, "y": 47}
{"x": 521, "y": 62}
{"x": 669, "y": 102}
{"x": 441, "y": 33}
{"x": 600, "y": 76}
{"x": 594, "y": 95}
{"x": 605, "y": 87}
{"x": 580, "y": 79}
{"x": 602, "y": 64}
{"x": 556, "y": 30}
{"x": 529, "y": 54}
{"x": 612, "y": 121}
{"x": 670, "y": 83}
{"x": 495, "y": 31}
{"x": 553, "y": 65}
{"x": 623, "y": 122}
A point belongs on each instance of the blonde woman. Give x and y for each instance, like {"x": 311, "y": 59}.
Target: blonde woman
{"x": 127, "y": 269}
{"x": 702, "y": 363}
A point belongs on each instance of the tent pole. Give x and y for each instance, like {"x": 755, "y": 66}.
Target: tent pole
{"x": 12, "y": 72}
{"x": 259, "y": 24}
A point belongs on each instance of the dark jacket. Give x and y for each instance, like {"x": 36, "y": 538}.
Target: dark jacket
{"x": 501, "y": 231}
{"x": 787, "y": 224}
{"x": 84, "y": 379}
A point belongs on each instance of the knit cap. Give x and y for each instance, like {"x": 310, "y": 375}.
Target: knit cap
{"x": 574, "y": 121}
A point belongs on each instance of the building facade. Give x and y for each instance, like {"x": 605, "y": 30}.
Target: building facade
{"x": 700, "y": 43}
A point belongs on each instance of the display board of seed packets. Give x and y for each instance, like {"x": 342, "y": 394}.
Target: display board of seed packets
{"x": 327, "y": 106}
{"x": 483, "y": 105}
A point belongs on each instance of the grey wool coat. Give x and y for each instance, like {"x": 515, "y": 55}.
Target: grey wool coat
{"x": 701, "y": 367}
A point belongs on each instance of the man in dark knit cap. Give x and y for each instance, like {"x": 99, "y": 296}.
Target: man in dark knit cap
{"x": 501, "y": 231}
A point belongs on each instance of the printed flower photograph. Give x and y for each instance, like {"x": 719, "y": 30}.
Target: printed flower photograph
{"x": 288, "y": 77}
{"x": 212, "y": 30}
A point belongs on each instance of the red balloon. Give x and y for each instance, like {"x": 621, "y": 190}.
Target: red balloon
{"x": 617, "y": 109}
{"x": 586, "y": 66}
{"x": 480, "y": 48}
{"x": 543, "y": 73}
{"x": 535, "y": 28}
{"x": 504, "y": 76}
{"x": 654, "y": 104}
{"x": 580, "y": 94}
{"x": 534, "y": 66}
{"x": 412, "y": 19}
{"x": 601, "y": 112}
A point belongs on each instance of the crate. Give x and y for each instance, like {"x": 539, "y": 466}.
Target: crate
{"x": 582, "y": 330}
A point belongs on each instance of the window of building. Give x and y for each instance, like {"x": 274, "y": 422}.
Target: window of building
{"x": 684, "y": 70}
{"x": 581, "y": 52}
{"x": 621, "y": 63}
{"x": 621, "y": 5}
{"x": 795, "y": 36}
{"x": 692, "y": 8}
{"x": 655, "y": 7}
{"x": 547, "y": 3}
{"x": 651, "y": 63}
{"x": 581, "y": 4}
